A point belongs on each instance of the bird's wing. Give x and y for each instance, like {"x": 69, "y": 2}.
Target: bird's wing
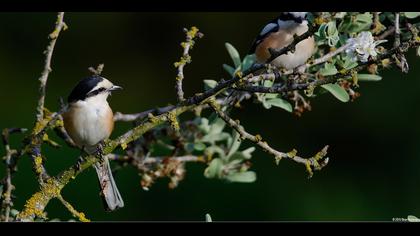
{"x": 268, "y": 29}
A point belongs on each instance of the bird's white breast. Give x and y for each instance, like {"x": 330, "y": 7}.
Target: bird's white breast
{"x": 89, "y": 121}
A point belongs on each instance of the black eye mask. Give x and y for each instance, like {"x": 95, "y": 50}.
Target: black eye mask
{"x": 95, "y": 92}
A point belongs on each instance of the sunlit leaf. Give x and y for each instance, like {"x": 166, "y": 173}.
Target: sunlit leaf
{"x": 236, "y": 142}
{"x": 368, "y": 77}
{"x": 412, "y": 218}
{"x": 356, "y": 23}
{"x": 349, "y": 63}
{"x": 338, "y": 92}
{"x": 329, "y": 69}
{"x": 278, "y": 102}
{"x": 204, "y": 125}
{"x": 199, "y": 147}
{"x": 233, "y": 54}
{"x": 243, "y": 177}
{"x": 411, "y": 15}
{"x": 247, "y": 152}
{"x": 208, "y": 218}
{"x": 215, "y": 150}
{"x": 217, "y": 126}
{"x": 268, "y": 83}
{"x": 215, "y": 137}
{"x": 214, "y": 170}
{"x": 14, "y": 212}
{"x": 209, "y": 84}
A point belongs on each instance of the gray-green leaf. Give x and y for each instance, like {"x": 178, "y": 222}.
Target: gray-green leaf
{"x": 247, "y": 152}
{"x": 248, "y": 61}
{"x": 215, "y": 137}
{"x": 411, "y": 15}
{"x": 329, "y": 69}
{"x": 208, "y": 218}
{"x": 214, "y": 170}
{"x": 412, "y": 218}
{"x": 199, "y": 146}
{"x": 242, "y": 177}
{"x": 236, "y": 142}
{"x": 338, "y": 92}
{"x": 368, "y": 77}
{"x": 229, "y": 69}
{"x": 215, "y": 149}
{"x": 278, "y": 102}
{"x": 209, "y": 84}
{"x": 217, "y": 126}
{"x": 233, "y": 54}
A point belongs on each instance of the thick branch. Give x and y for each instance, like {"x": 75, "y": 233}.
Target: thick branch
{"x": 51, "y": 189}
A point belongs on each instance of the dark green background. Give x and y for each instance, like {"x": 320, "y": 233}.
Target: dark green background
{"x": 374, "y": 144}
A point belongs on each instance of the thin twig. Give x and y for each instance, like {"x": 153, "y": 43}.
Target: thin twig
{"x": 80, "y": 215}
{"x": 59, "y": 25}
{"x": 257, "y": 139}
{"x": 397, "y": 30}
{"x": 191, "y": 34}
{"x": 151, "y": 160}
{"x": 10, "y": 161}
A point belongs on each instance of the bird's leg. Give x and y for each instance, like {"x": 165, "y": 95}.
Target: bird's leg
{"x": 80, "y": 159}
{"x": 100, "y": 150}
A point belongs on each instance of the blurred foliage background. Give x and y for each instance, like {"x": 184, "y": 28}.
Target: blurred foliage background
{"x": 374, "y": 152}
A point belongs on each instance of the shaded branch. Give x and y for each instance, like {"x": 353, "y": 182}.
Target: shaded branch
{"x": 10, "y": 162}
{"x": 293, "y": 85}
{"x": 257, "y": 139}
{"x": 152, "y": 160}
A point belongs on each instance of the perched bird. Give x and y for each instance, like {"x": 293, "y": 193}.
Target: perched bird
{"x": 89, "y": 120}
{"x": 278, "y": 34}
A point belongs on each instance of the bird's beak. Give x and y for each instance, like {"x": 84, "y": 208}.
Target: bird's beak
{"x": 115, "y": 87}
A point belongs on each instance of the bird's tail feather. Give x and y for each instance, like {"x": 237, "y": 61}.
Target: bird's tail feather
{"x": 109, "y": 191}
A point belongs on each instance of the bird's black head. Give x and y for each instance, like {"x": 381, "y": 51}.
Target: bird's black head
{"x": 90, "y": 86}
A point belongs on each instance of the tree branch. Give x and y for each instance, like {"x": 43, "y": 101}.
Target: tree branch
{"x": 257, "y": 139}
{"x": 191, "y": 34}
{"x": 80, "y": 215}
{"x": 59, "y": 25}
{"x": 52, "y": 187}
{"x": 10, "y": 162}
